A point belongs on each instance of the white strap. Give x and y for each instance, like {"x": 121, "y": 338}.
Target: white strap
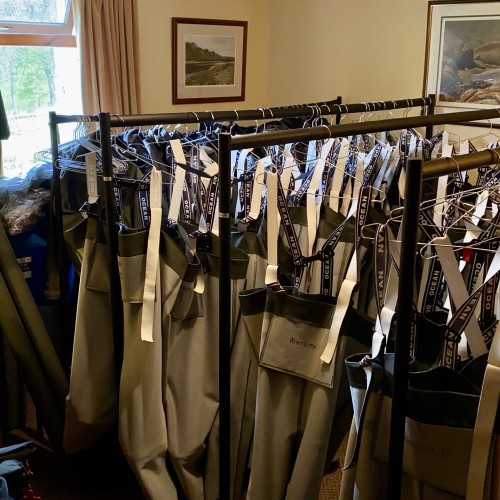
{"x": 343, "y": 302}
{"x": 338, "y": 176}
{"x": 311, "y": 206}
{"x": 241, "y": 160}
{"x": 458, "y": 292}
{"x": 287, "y": 168}
{"x": 481, "y": 204}
{"x": 152, "y": 257}
{"x": 445, "y": 138}
{"x": 358, "y": 175}
{"x": 384, "y": 319}
{"x": 211, "y": 168}
{"x": 180, "y": 176}
{"x": 386, "y": 156}
{"x": 440, "y": 207}
{"x": 311, "y": 155}
{"x": 272, "y": 228}
{"x": 91, "y": 171}
{"x": 354, "y": 185}
{"x": 472, "y": 233}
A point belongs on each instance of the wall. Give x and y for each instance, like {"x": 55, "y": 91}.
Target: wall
{"x": 301, "y": 51}
{"x": 156, "y": 56}
{"x": 360, "y": 49}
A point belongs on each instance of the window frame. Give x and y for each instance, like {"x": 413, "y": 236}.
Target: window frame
{"x": 39, "y": 34}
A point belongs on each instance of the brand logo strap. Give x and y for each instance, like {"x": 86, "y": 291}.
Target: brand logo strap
{"x": 326, "y": 256}
{"x": 327, "y": 275}
{"x": 365, "y": 194}
{"x": 432, "y": 288}
{"x": 380, "y": 266}
{"x": 117, "y": 192}
{"x": 291, "y": 235}
{"x": 330, "y": 164}
{"x": 211, "y": 201}
{"x": 186, "y": 203}
{"x": 203, "y": 197}
{"x": 370, "y": 171}
{"x": 297, "y": 197}
{"x": 143, "y": 197}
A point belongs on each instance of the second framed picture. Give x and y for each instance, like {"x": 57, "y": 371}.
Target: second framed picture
{"x": 209, "y": 60}
{"x": 463, "y": 53}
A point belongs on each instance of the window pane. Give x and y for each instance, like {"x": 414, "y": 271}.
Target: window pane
{"x": 33, "y": 11}
{"x": 34, "y": 81}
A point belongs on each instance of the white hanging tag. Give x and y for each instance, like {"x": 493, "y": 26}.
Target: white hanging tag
{"x": 152, "y": 256}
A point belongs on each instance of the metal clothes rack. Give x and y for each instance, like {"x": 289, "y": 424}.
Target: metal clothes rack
{"x": 107, "y": 121}
{"x": 408, "y": 252}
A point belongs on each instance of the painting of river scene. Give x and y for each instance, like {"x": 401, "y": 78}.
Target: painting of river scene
{"x": 470, "y": 61}
{"x": 210, "y": 60}
{"x": 462, "y": 59}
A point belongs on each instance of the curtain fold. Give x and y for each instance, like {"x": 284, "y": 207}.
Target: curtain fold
{"x": 108, "y": 40}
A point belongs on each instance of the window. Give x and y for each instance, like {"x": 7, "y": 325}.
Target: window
{"x": 39, "y": 72}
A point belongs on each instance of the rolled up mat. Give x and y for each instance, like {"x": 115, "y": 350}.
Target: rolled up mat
{"x": 30, "y": 368}
{"x": 35, "y": 327}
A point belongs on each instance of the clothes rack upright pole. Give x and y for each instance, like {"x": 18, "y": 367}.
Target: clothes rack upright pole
{"x": 404, "y": 320}
{"x": 112, "y": 240}
{"x": 224, "y": 317}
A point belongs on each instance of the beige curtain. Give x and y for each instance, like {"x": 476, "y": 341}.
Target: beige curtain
{"x": 107, "y": 36}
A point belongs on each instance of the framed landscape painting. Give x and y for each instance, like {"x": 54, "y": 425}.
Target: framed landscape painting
{"x": 209, "y": 58}
{"x": 463, "y": 54}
